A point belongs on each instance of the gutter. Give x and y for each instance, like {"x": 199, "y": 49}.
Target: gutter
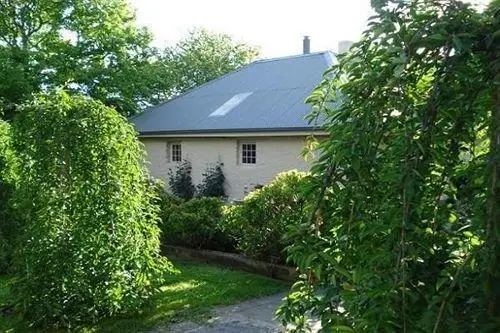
{"x": 238, "y": 132}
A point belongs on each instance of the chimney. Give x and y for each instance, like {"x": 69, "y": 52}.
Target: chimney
{"x": 306, "y": 45}
{"x": 344, "y": 46}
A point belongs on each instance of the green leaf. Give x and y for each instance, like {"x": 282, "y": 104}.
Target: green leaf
{"x": 342, "y": 328}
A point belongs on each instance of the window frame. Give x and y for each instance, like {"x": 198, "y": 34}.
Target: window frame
{"x": 175, "y": 152}
{"x": 248, "y": 153}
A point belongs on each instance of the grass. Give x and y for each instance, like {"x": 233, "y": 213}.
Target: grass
{"x": 188, "y": 295}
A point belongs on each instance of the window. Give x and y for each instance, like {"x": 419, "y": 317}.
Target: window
{"x": 248, "y": 153}
{"x": 176, "y": 152}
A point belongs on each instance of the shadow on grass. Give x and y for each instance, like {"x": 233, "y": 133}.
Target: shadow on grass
{"x": 189, "y": 295}
{"x": 192, "y": 293}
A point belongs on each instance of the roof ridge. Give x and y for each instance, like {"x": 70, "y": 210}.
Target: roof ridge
{"x": 292, "y": 56}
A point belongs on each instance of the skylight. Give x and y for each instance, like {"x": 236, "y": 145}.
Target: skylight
{"x": 230, "y": 104}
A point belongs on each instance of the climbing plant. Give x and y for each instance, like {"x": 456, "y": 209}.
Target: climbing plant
{"x": 405, "y": 234}
{"x": 180, "y": 180}
{"x": 212, "y": 184}
{"x": 88, "y": 246}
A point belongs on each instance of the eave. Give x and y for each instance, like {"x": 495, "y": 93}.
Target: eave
{"x": 237, "y": 132}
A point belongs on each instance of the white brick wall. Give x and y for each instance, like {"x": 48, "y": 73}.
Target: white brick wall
{"x": 274, "y": 154}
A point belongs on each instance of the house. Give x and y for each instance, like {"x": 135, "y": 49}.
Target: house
{"x": 251, "y": 120}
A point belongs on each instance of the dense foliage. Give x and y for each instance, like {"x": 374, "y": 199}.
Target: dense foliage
{"x": 405, "y": 235}
{"x": 7, "y": 183}
{"x": 89, "y": 245}
{"x": 203, "y": 56}
{"x": 260, "y": 222}
{"x": 180, "y": 181}
{"x": 91, "y": 47}
{"x": 212, "y": 184}
{"x": 96, "y": 48}
{"x": 194, "y": 223}
{"x": 254, "y": 227}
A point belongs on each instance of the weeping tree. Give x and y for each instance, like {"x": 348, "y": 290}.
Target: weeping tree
{"x": 7, "y": 182}
{"x": 88, "y": 245}
{"x": 405, "y": 234}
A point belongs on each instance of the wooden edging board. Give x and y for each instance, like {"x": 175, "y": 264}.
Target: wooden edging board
{"x": 233, "y": 260}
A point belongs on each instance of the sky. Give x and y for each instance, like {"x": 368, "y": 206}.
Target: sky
{"x": 277, "y": 27}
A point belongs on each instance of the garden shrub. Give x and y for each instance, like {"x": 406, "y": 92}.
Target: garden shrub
{"x": 180, "y": 181}
{"x": 213, "y": 182}
{"x": 7, "y": 180}
{"x": 90, "y": 240}
{"x": 166, "y": 202}
{"x": 194, "y": 223}
{"x": 259, "y": 223}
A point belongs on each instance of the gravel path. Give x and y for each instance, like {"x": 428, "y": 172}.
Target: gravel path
{"x": 254, "y": 316}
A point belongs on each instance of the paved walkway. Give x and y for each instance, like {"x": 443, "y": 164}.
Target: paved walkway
{"x": 254, "y": 316}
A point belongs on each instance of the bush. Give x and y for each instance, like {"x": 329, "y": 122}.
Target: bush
{"x": 90, "y": 241}
{"x": 259, "y": 223}
{"x": 166, "y": 202}
{"x": 180, "y": 181}
{"x": 194, "y": 223}
{"x": 213, "y": 182}
{"x": 7, "y": 181}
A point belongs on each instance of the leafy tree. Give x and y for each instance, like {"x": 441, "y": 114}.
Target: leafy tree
{"x": 405, "y": 234}
{"x": 203, "y": 56}
{"x": 90, "y": 47}
{"x": 96, "y": 48}
{"x": 213, "y": 182}
{"x": 89, "y": 245}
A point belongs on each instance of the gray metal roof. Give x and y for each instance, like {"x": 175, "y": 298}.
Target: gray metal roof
{"x": 266, "y": 95}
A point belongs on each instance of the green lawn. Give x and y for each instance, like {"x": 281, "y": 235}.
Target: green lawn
{"x": 190, "y": 294}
